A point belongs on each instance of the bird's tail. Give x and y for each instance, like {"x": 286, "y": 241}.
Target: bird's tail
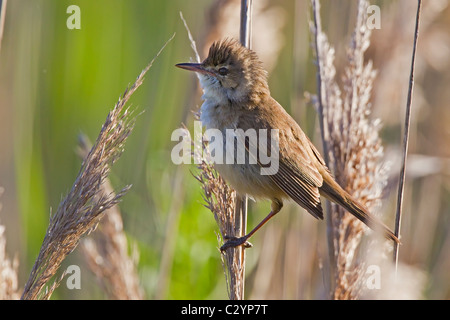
{"x": 331, "y": 190}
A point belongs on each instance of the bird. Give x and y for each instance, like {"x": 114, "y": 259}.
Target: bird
{"x": 236, "y": 95}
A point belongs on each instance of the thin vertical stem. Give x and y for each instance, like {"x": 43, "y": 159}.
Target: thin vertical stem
{"x": 330, "y": 228}
{"x": 401, "y": 186}
{"x": 242, "y": 201}
{"x": 246, "y": 23}
{"x": 2, "y": 19}
{"x": 232, "y": 224}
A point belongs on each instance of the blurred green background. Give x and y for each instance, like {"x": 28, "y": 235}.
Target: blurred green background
{"x": 56, "y": 83}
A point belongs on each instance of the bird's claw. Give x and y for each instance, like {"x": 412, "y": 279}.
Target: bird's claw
{"x": 235, "y": 242}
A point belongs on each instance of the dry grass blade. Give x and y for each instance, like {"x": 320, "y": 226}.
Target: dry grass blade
{"x": 191, "y": 38}
{"x": 83, "y": 207}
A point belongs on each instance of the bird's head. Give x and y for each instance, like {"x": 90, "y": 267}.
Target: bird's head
{"x": 231, "y": 71}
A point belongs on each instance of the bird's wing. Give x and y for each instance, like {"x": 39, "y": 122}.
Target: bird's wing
{"x": 297, "y": 174}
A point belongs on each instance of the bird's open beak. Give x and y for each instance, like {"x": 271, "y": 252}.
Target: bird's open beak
{"x": 196, "y": 67}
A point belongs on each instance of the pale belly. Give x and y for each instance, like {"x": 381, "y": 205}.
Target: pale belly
{"x": 246, "y": 179}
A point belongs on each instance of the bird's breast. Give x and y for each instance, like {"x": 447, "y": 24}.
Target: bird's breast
{"x": 218, "y": 115}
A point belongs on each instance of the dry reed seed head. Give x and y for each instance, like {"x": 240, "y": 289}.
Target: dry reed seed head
{"x": 84, "y": 205}
{"x": 219, "y": 197}
{"x": 357, "y": 145}
{"x": 354, "y": 146}
{"x": 80, "y": 211}
{"x": 107, "y": 256}
{"x": 9, "y": 281}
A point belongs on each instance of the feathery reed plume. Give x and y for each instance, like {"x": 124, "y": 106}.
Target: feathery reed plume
{"x": 85, "y": 204}
{"x": 83, "y": 207}
{"x": 106, "y": 250}
{"x": 9, "y": 283}
{"x": 221, "y": 201}
{"x": 353, "y": 146}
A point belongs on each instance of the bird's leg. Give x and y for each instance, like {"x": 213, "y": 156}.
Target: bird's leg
{"x": 234, "y": 241}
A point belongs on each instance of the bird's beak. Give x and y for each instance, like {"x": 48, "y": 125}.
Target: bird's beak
{"x": 196, "y": 67}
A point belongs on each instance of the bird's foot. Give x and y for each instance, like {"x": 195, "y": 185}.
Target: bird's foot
{"x": 235, "y": 242}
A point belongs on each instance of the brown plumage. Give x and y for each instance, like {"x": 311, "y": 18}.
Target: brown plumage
{"x": 237, "y": 96}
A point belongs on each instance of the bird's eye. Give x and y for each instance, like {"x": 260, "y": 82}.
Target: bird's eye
{"x": 223, "y": 71}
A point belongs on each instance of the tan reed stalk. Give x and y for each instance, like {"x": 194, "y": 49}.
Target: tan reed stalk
{"x": 241, "y": 206}
{"x": 325, "y": 54}
{"x": 81, "y": 210}
{"x": 401, "y": 185}
{"x": 2, "y": 20}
